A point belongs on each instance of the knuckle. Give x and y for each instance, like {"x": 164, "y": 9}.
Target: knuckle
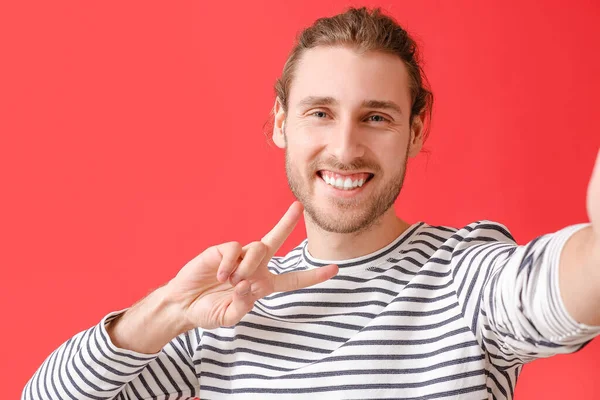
{"x": 260, "y": 247}
{"x": 211, "y": 250}
{"x": 232, "y": 247}
{"x": 235, "y": 245}
{"x": 259, "y": 291}
{"x": 207, "y": 255}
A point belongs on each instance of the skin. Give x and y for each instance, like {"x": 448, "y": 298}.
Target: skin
{"x": 343, "y": 134}
{"x": 579, "y": 267}
{"x": 337, "y": 131}
{"x": 219, "y": 286}
{"x": 216, "y": 288}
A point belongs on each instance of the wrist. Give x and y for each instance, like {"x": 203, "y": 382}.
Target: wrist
{"x": 150, "y": 324}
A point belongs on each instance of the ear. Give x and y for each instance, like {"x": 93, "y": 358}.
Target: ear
{"x": 278, "y": 131}
{"x": 416, "y": 135}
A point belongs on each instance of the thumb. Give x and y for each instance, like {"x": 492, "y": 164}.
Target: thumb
{"x": 301, "y": 279}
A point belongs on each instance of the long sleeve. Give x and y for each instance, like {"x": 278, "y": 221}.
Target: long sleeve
{"x": 511, "y": 296}
{"x": 90, "y": 366}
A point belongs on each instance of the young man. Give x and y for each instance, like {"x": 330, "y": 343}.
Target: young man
{"x": 369, "y": 306}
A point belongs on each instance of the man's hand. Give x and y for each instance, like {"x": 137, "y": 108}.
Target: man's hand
{"x": 217, "y": 288}
{"x": 220, "y": 286}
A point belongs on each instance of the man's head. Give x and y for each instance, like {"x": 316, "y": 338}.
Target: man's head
{"x": 353, "y": 101}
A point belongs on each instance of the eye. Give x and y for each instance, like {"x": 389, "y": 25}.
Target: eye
{"x": 319, "y": 114}
{"x": 377, "y": 118}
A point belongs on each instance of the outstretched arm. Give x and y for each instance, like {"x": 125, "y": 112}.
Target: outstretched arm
{"x": 535, "y": 300}
{"x": 579, "y": 267}
{"x": 543, "y": 298}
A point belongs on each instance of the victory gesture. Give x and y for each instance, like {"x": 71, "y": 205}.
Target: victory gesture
{"x": 220, "y": 286}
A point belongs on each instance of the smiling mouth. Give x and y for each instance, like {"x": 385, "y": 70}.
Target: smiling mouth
{"x": 345, "y": 181}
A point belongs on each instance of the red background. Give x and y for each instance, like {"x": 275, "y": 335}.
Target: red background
{"x": 131, "y": 138}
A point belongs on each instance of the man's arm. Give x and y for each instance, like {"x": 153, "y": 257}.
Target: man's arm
{"x": 544, "y": 298}
{"x": 535, "y": 300}
{"x": 216, "y": 288}
{"x": 91, "y": 366}
{"x": 580, "y": 262}
{"x": 579, "y": 277}
{"x": 510, "y": 294}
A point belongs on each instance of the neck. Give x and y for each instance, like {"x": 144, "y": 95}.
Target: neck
{"x": 344, "y": 246}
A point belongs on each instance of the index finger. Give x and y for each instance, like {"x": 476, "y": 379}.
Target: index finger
{"x": 277, "y": 236}
{"x": 300, "y": 279}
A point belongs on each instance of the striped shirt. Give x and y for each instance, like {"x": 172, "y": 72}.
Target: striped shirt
{"x": 438, "y": 313}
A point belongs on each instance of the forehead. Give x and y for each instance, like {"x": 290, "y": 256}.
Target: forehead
{"x": 350, "y": 77}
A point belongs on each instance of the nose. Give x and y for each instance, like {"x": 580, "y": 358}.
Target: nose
{"x": 345, "y": 142}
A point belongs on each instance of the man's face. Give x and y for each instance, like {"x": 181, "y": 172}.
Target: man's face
{"x": 347, "y": 135}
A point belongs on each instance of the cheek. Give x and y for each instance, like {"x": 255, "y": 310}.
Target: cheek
{"x": 391, "y": 157}
{"x": 296, "y": 159}
{"x": 302, "y": 148}
{"x": 307, "y": 139}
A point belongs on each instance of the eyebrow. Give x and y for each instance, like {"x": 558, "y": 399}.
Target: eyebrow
{"x": 313, "y": 101}
{"x": 382, "y": 105}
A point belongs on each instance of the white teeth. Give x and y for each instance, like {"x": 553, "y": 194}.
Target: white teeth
{"x": 344, "y": 184}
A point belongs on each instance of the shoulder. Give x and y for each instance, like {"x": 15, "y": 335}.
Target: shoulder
{"x": 483, "y": 231}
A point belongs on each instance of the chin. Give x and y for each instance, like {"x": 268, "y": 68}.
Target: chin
{"x": 339, "y": 217}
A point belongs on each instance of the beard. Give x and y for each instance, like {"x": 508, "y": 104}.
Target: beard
{"x": 350, "y": 215}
